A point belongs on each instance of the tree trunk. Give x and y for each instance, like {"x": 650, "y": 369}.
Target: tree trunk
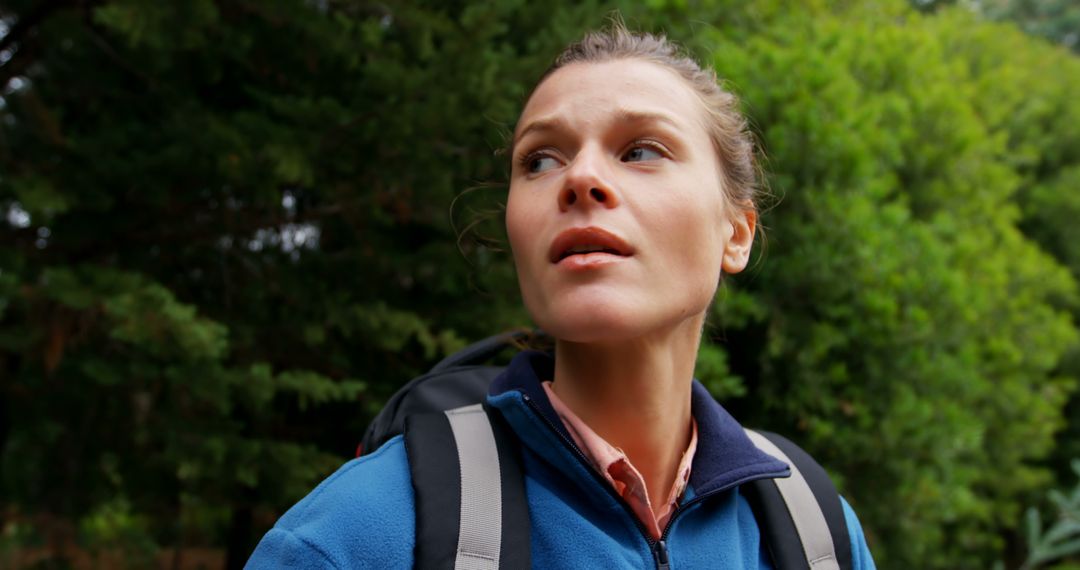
{"x": 239, "y": 542}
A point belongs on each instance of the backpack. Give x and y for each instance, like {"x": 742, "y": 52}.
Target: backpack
{"x": 465, "y": 459}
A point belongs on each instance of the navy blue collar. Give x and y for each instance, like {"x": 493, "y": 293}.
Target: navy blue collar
{"x": 725, "y": 456}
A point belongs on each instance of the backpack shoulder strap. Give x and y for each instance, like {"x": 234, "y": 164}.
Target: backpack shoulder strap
{"x": 801, "y": 518}
{"x": 459, "y": 379}
{"x": 471, "y": 510}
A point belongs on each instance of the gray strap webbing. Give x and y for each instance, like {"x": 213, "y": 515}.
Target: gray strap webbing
{"x": 481, "y": 489}
{"x": 804, "y": 509}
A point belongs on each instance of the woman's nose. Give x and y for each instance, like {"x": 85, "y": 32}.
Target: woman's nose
{"x": 587, "y": 184}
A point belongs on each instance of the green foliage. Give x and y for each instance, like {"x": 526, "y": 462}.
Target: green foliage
{"x": 1055, "y": 20}
{"x": 1062, "y": 539}
{"x": 114, "y": 528}
{"x": 229, "y": 233}
{"x": 713, "y": 371}
{"x": 226, "y": 240}
{"x": 913, "y": 332}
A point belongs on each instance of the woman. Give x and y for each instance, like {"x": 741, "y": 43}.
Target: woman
{"x": 631, "y": 193}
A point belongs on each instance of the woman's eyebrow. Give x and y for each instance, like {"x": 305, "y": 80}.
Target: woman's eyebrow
{"x": 541, "y": 125}
{"x": 621, "y": 116}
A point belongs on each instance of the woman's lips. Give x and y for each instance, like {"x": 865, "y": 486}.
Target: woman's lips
{"x": 585, "y": 261}
{"x": 587, "y": 247}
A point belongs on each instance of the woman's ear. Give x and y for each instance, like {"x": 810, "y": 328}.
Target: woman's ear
{"x": 737, "y": 249}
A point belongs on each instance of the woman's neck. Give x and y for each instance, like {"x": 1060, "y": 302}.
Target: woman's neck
{"x": 636, "y": 395}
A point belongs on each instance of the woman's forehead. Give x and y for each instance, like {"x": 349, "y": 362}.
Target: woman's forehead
{"x": 614, "y": 90}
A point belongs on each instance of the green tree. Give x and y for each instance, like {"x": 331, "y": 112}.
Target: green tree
{"x": 226, "y": 239}
{"x": 1055, "y": 20}
{"x": 1027, "y": 90}
{"x": 902, "y": 322}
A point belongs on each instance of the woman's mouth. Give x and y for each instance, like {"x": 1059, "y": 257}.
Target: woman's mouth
{"x": 587, "y": 247}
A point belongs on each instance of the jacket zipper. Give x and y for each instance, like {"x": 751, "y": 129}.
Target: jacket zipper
{"x": 661, "y": 556}
{"x": 658, "y": 547}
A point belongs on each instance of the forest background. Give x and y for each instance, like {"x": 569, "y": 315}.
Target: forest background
{"x": 229, "y": 229}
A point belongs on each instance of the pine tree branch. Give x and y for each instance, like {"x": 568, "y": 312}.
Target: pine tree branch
{"x": 25, "y": 24}
{"x": 24, "y": 28}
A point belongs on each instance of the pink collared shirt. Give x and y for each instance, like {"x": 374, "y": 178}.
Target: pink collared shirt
{"x": 612, "y": 463}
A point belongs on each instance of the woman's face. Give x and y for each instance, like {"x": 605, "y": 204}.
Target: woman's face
{"x": 616, "y": 217}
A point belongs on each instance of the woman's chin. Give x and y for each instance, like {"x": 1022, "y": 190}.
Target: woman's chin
{"x": 591, "y": 324}
{"x": 599, "y": 319}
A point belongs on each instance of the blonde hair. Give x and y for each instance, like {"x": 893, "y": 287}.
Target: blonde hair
{"x": 727, "y": 127}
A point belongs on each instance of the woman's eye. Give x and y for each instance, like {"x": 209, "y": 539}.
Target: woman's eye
{"x": 641, "y": 153}
{"x": 541, "y": 163}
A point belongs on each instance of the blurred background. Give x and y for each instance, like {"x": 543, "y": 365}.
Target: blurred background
{"x": 229, "y": 229}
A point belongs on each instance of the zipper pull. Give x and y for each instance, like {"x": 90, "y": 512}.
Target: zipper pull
{"x": 661, "y": 555}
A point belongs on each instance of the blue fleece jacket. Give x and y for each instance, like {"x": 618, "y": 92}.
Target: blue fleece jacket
{"x": 362, "y": 516}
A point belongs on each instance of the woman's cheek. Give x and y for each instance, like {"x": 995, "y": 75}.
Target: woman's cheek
{"x": 516, "y": 231}
{"x": 524, "y": 239}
